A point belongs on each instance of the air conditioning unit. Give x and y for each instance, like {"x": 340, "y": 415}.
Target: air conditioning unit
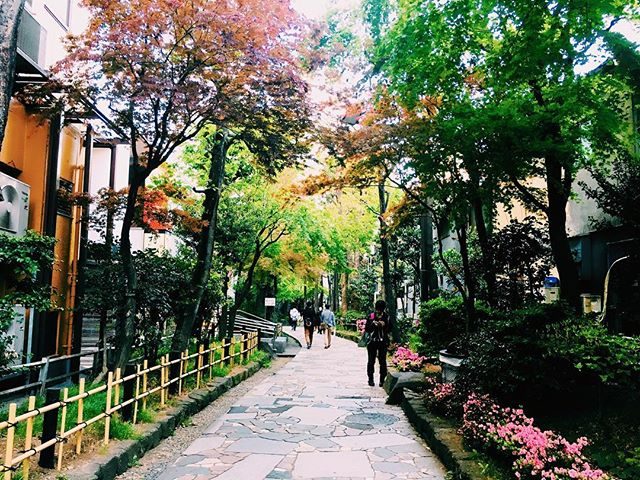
{"x": 14, "y": 205}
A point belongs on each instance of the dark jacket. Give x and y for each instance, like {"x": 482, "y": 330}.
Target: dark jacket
{"x": 379, "y": 334}
{"x": 309, "y": 316}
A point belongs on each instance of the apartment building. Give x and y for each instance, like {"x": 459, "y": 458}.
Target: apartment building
{"x": 41, "y": 159}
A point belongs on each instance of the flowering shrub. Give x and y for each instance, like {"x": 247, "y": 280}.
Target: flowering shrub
{"x": 536, "y": 454}
{"x": 360, "y": 324}
{"x": 443, "y": 398}
{"x": 407, "y": 361}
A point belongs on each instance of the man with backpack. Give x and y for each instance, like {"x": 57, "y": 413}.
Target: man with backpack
{"x": 309, "y": 320}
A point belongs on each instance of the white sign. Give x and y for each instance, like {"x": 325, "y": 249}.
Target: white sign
{"x": 270, "y": 302}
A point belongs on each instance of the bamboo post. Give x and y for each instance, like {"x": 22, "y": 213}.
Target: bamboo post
{"x": 137, "y": 394}
{"x": 226, "y": 351}
{"x": 63, "y": 426}
{"x": 80, "y": 416}
{"x": 11, "y": 429}
{"x": 212, "y": 357}
{"x": 232, "y": 352}
{"x": 116, "y": 388}
{"x": 107, "y": 409}
{"x": 199, "y": 373}
{"x": 145, "y": 365}
{"x": 28, "y": 438}
{"x": 181, "y": 371}
{"x": 162, "y": 392}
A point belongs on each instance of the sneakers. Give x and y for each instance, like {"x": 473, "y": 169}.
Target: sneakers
{"x": 308, "y": 346}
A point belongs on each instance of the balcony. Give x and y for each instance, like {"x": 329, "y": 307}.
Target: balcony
{"x": 32, "y": 40}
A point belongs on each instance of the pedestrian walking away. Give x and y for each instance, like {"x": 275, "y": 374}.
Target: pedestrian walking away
{"x": 309, "y": 316}
{"x": 378, "y": 327}
{"x": 294, "y": 315}
{"x": 328, "y": 319}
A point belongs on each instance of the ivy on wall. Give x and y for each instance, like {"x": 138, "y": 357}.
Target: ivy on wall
{"x": 22, "y": 259}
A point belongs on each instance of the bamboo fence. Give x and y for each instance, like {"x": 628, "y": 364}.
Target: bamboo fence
{"x": 199, "y": 365}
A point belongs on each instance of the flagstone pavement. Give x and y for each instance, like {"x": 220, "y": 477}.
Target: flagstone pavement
{"x": 316, "y": 418}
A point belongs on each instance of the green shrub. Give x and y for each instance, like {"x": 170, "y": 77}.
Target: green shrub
{"x": 261, "y": 357}
{"x": 442, "y": 320}
{"x": 544, "y": 357}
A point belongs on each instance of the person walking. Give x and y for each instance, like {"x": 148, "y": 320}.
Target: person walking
{"x": 378, "y": 326}
{"x": 328, "y": 319}
{"x": 309, "y": 316}
{"x": 294, "y": 315}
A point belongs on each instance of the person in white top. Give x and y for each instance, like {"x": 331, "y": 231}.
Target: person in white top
{"x": 294, "y": 315}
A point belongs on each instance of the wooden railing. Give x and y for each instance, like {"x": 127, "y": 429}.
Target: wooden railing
{"x": 154, "y": 380}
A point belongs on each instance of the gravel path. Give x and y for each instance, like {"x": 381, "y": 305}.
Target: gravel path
{"x": 155, "y": 461}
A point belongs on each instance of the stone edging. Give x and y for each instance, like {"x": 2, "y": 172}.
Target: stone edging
{"x": 442, "y": 437}
{"x": 121, "y": 454}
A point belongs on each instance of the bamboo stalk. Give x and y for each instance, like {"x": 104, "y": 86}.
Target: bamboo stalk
{"x": 11, "y": 429}
{"x": 80, "y": 416}
{"x": 181, "y": 372}
{"x": 116, "y": 388}
{"x": 199, "y": 373}
{"x": 232, "y": 352}
{"x": 63, "y": 422}
{"x": 107, "y": 409}
{"x": 28, "y": 439}
{"x": 145, "y": 366}
{"x": 212, "y": 357}
{"x": 135, "y": 404}
{"x": 162, "y": 392}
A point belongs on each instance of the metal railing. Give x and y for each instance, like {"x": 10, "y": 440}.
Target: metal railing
{"x": 42, "y": 369}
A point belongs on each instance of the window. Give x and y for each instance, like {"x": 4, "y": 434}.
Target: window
{"x": 60, "y": 9}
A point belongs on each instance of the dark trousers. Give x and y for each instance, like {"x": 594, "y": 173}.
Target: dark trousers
{"x": 378, "y": 350}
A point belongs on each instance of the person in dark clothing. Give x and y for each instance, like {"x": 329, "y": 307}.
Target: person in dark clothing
{"x": 309, "y": 319}
{"x": 378, "y": 326}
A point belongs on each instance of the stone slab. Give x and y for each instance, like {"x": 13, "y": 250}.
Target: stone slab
{"x": 332, "y": 464}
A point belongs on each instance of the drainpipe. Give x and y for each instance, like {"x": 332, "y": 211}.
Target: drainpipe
{"x": 76, "y": 344}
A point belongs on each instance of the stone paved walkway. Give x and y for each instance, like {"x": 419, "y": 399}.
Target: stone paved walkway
{"x": 316, "y": 418}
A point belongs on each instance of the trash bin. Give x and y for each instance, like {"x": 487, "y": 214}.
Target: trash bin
{"x": 551, "y": 289}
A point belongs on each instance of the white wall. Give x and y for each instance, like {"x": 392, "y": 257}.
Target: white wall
{"x": 50, "y": 14}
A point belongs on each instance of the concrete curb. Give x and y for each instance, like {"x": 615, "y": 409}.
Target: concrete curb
{"x": 443, "y": 438}
{"x": 120, "y": 454}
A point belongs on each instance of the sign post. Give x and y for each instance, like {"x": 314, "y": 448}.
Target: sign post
{"x": 269, "y": 303}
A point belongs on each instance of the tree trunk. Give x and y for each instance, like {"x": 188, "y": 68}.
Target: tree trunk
{"x": 202, "y": 269}
{"x": 427, "y": 275}
{"x": 10, "y": 16}
{"x": 488, "y": 270}
{"x": 557, "y": 199}
{"x": 387, "y": 281}
{"x": 242, "y": 293}
{"x": 126, "y": 319}
{"x": 470, "y": 298}
{"x": 344, "y": 305}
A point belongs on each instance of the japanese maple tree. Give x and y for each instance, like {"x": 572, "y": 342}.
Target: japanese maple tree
{"x": 166, "y": 68}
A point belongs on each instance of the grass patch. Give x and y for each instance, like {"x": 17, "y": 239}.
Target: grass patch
{"x": 348, "y": 334}
{"x": 146, "y": 416}
{"x": 220, "y": 370}
{"x": 262, "y": 358}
